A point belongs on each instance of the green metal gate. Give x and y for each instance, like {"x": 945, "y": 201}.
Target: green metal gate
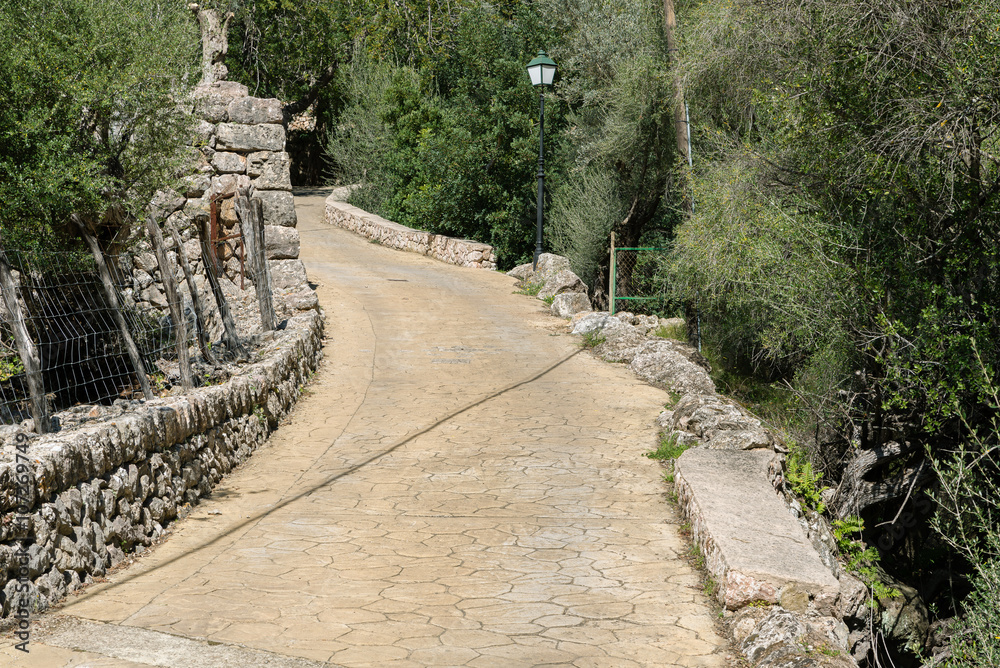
{"x": 633, "y": 282}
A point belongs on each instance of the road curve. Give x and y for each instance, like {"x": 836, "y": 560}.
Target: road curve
{"x": 459, "y": 486}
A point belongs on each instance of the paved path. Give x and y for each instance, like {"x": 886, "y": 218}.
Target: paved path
{"x": 457, "y": 488}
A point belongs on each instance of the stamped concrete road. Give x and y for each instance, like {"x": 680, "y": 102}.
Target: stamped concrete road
{"x": 457, "y": 487}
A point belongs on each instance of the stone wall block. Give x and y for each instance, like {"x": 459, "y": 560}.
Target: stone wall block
{"x": 281, "y": 243}
{"x": 255, "y": 110}
{"x": 273, "y": 173}
{"x": 247, "y": 138}
{"x": 227, "y": 162}
{"x": 279, "y": 207}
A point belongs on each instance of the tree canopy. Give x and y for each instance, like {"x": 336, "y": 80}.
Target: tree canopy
{"x": 89, "y": 122}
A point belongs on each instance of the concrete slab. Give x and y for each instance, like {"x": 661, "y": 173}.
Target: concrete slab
{"x": 753, "y": 546}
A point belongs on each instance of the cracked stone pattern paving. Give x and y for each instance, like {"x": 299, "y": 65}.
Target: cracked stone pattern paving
{"x": 528, "y": 530}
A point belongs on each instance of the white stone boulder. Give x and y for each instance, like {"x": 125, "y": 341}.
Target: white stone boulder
{"x": 570, "y": 303}
{"x": 661, "y": 363}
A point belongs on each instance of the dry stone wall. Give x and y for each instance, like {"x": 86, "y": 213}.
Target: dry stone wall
{"x": 95, "y": 493}
{"x": 453, "y": 251}
{"x": 76, "y": 502}
{"x": 238, "y": 142}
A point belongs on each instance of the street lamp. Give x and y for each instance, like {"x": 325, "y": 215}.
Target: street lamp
{"x": 541, "y": 70}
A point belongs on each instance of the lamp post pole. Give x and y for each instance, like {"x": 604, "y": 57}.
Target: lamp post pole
{"x": 541, "y": 173}
{"x": 542, "y": 71}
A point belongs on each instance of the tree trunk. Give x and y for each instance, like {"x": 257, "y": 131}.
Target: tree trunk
{"x": 173, "y": 302}
{"x": 855, "y": 493}
{"x": 214, "y": 44}
{"x": 680, "y": 110}
{"x": 116, "y": 313}
{"x": 25, "y": 347}
{"x": 229, "y": 336}
{"x": 199, "y": 313}
{"x": 251, "y": 215}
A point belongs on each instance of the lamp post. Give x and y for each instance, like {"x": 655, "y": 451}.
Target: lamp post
{"x": 541, "y": 70}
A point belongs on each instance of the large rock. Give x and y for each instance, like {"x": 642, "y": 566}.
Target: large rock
{"x": 777, "y": 638}
{"x": 282, "y": 243}
{"x": 621, "y": 343}
{"x": 226, "y": 162}
{"x": 561, "y": 282}
{"x": 255, "y": 110}
{"x": 288, "y": 275}
{"x": 659, "y": 362}
{"x": 593, "y": 322}
{"x": 229, "y": 183}
{"x": 211, "y": 102}
{"x": 570, "y": 303}
{"x": 719, "y": 423}
{"x": 905, "y": 618}
{"x": 753, "y": 547}
{"x": 270, "y": 171}
{"x": 246, "y": 138}
{"x": 279, "y": 207}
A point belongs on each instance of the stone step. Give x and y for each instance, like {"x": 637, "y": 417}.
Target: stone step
{"x": 753, "y": 547}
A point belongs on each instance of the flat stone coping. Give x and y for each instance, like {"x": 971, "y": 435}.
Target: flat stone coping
{"x": 753, "y": 546}
{"x": 461, "y": 252}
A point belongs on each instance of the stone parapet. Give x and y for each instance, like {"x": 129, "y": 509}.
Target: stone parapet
{"x": 101, "y": 490}
{"x": 387, "y": 233}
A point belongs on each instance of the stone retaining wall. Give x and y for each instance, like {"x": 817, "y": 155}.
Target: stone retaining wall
{"x": 99, "y": 491}
{"x": 453, "y": 251}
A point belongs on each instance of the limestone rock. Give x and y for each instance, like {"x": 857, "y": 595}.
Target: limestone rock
{"x": 281, "y": 243}
{"x": 570, "y": 303}
{"x": 255, "y": 110}
{"x": 660, "y": 363}
{"x": 226, "y": 162}
{"x": 585, "y": 323}
{"x": 721, "y": 424}
{"x": 561, "y": 282}
{"x": 621, "y": 343}
{"x": 270, "y": 171}
{"x": 246, "y": 138}
{"x": 777, "y": 638}
{"x": 288, "y": 275}
{"x": 905, "y": 618}
{"x": 279, "y": 207}
{"x": 165, "y": 202}
{"x": 195, "y": 185}
{"x": 204, "y": 134}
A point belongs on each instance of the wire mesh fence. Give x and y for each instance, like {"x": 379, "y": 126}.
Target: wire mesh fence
{"x": 636, "y": 284}
{"x": 70, "y": 321}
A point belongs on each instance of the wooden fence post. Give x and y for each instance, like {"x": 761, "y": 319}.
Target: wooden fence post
{"x": 25, "y": 348}
{"x": 229, "y": 336}
{"x": 116, "y": 313}
{"x": 251, "y": 215}
{"x": 173, "y": 302}
{"x": 199, "y": 313}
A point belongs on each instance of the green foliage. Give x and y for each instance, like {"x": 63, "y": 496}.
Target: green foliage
{"x": 861, "y": 560}
{"x": 89, "y": 121}
{"x": 592, "y": 339}
{"x": 451, "y": 146}
{"x": 968, "y": 519}
{"x": 9, "y": 367}
{"x": 803, "y": 480}
{"x": 675, "y": 332}
{"x": 668, "y": 449}
{"x": 530, "y": 289}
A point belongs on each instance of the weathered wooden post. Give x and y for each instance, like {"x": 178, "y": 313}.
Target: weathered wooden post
{"x": 25, "y": 347}
{"x": 229, "y": 336}
{"x": 173, "y": 301}
{"x": 199, "y": 313}
{"x": 116, "y": 312}
{"x": 251, "y": 215}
